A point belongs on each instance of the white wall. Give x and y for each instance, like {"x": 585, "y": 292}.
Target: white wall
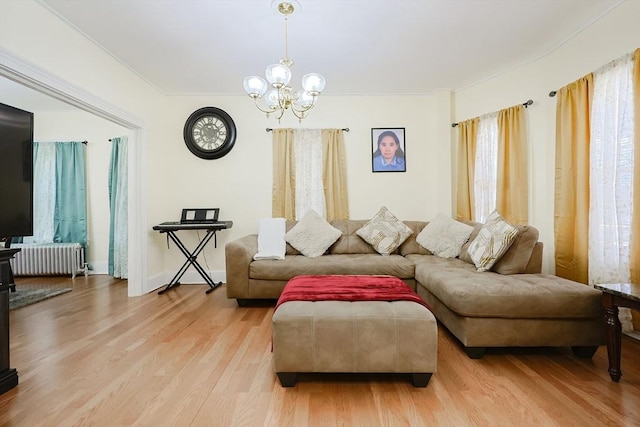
{"x": 82, "y": 126}
{"x": 613, "y": 36}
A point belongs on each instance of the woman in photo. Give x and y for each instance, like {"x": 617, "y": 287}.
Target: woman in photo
{"x": 389, "y": 155}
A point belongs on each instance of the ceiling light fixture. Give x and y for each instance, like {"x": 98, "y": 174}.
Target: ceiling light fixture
{"x": 282, "y": 97}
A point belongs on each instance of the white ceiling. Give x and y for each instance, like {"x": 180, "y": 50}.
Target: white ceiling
{"x": 187, "y": 47}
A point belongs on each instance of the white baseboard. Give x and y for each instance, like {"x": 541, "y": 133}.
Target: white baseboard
{"x": 100, "y": 267}
{"x": 190, "y": 277}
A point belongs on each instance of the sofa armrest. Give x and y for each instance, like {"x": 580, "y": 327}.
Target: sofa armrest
{"x": 238, "y": 255}
{"x": 534, "y": 266}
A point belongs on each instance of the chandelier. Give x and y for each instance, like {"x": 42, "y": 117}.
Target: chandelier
{"x": 282, "y": 97}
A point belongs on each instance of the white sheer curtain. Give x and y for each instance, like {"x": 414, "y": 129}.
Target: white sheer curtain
{"x": 307, "y": 145}
{"x": 486, "y": 167}
{"x": 611, "y": 177}
{"x": 44, "y": 192}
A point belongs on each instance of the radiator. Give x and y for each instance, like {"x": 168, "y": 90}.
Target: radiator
{"x": 41, "y": 259}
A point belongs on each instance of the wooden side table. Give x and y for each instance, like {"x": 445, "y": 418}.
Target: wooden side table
{"x": 614, "y": 296}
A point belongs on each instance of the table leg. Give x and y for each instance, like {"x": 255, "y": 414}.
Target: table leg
{"x": 614, "y": 340}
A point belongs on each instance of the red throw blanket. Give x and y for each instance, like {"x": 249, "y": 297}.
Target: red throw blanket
{"x": 348, "y": 288}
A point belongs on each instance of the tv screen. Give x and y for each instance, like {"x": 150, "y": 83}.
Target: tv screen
{"x": 16, "y": 172}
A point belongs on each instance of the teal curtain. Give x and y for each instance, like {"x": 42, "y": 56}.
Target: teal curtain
{"x": 118, "y": 201}
{"x": 59, "y": 193}
{"x": 70, "y": 216}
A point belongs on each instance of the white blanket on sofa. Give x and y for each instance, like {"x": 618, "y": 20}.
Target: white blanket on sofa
{"x": 271, "y": 243}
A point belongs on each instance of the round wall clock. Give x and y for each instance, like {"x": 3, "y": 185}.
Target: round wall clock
{"x": 209, "y": 133}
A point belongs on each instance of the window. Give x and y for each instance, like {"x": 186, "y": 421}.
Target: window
{"x": 611, "y": 173}
{"x": 486, "y": 167}
{"x": 307, "y": 147}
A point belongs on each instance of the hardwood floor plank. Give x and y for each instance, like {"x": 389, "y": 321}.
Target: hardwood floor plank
{"x": 94, "y": 356}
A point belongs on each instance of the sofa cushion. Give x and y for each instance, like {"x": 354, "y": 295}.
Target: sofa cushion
{"x": 312, "y": 235}
{"x": 410, "y": 246}
{"x": 493, "y": 240}
{"x": 469, "y": 293}
{"x": 384, "y": 232}
{"x": 444, "y": 236}
{"x": 516, "y": 258}
{"x": 296, "y": 265}
{"x": 350, "y": 242}
{"x": 290, "y": 249}
{"x": 464, "y": 251}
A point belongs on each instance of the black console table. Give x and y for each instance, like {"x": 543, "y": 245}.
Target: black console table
{"x": 8, "y": 376}
{"x": 211, "y": 228}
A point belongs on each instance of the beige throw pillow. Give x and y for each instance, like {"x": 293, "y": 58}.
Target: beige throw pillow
{"x": 312, "y": 235}
{"x": 384, "y": 232}
{"x": 493, "y": 240}
{"x": 444, "y": 236}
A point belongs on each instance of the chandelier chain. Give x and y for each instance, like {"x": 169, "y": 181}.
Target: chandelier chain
{"x": 286, "y": 37}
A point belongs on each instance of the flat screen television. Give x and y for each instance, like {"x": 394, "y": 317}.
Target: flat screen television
{"x": 16, "y": 172}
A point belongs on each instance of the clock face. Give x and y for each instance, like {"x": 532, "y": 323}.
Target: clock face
{"x": 209, "y": 133}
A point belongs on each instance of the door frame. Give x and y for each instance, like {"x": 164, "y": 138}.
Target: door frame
{"x": 36, "y": 78}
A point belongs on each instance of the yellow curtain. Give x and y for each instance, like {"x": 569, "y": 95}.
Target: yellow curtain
{"x": 334, "y": 174}
{"x": 467, "y": 132}
{"x": 284, "y": 175}
{"x": 571, "y": 211}
{"x": 634, "y": 254}
{"x": 512, "y": 192}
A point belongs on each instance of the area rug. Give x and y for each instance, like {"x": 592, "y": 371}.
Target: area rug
{"x": 24, "y": 297}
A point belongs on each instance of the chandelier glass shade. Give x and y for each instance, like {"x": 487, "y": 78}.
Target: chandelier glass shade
{"x": 275, "y": 95}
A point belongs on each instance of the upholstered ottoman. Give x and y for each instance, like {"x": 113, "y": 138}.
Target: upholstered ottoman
{"x": 328, "y": 332}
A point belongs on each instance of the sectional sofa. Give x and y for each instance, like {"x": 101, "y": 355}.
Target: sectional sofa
{"x": 515, "y": 305}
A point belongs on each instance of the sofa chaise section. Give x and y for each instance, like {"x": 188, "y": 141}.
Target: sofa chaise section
{"x": 488, "y": 309}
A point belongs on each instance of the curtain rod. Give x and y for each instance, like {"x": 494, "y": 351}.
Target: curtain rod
{"x": 525, "y": 105}
{"x": 51, "y": 142}
{"x": 343, "y": 129}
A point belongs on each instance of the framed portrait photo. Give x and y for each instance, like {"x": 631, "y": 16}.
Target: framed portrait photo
{"x": 388, "y": 150}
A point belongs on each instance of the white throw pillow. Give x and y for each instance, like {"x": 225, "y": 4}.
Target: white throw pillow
{"x": 271, "y": 243}
{"x": 444, "y": 236}
{"x": 384, "y": 232}
{"x": 493, "y": 240}
{"x": 312, "y": 235}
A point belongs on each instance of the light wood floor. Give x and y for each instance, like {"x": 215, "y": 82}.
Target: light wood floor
{"x": 94, "y": 357}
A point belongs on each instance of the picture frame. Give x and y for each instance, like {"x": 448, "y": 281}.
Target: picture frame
{"x": 384, "y": 157}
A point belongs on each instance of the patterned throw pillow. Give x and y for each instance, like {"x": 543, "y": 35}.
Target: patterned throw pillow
{"x": 384, "y": 232}
{"x": 444, "y": 236}
{"x": 312, "y": 235}
{"x": 494, "y": 238}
